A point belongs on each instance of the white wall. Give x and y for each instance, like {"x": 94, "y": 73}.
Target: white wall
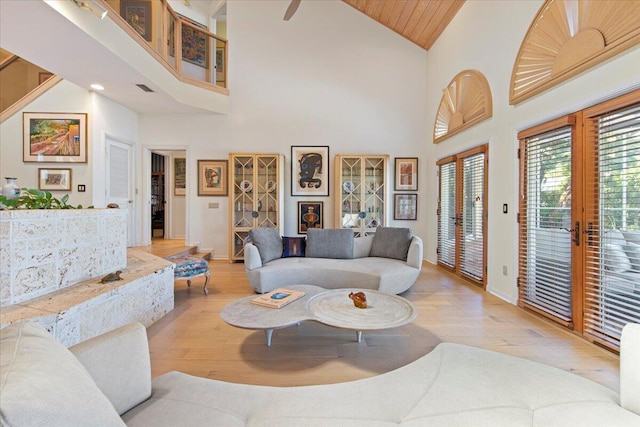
{"x": 486, "y": 36}
{"x": 329, "y": 76}
{"x": 103, "y": 115}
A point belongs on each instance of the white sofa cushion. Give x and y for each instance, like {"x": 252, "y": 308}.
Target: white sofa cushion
{"x": 43, "y": 384}
{"x": 454, "y": 385}
{"x": 615, "y": 258}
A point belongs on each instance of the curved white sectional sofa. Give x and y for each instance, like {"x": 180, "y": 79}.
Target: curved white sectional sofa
{"x": 106, "y": 381}
{"x": 387, "y": 275}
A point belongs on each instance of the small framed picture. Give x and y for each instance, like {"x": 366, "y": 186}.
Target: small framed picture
{"x": 405, "y": 206}
{"x": 179, "y": 176}
{"x": 309, "y": 216}
{"x": 54, "y": 179}
{"x": 309, "y": 170}
{"x": 212, "y": 178}
{"x": 138, "y": 16}
{"x": 406, "y": 176}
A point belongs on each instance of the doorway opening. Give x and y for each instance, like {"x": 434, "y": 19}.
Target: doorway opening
{"x": 158, "y": 196}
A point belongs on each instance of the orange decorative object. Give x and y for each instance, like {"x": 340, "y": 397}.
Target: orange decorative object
{"x": 359, "y": 299}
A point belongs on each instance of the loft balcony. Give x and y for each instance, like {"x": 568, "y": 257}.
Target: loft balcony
{"x": 78, "y": 46}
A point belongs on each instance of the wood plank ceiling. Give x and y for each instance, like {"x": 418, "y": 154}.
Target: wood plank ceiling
{"x": 420, "y": 21}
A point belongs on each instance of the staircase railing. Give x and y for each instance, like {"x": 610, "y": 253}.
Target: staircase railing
{"x": 21, "y": 83}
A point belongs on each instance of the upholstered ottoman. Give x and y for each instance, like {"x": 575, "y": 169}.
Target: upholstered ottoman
{"x": 189, "y": 267}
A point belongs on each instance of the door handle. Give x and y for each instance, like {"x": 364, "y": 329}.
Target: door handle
{"x": 576, "y": 233}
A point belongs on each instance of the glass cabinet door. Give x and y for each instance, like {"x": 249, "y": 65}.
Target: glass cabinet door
{"x": 243, "y": 183}
{"x": 257, "y": 196}
{"x": 350, "y": 191}
{"x": 362, "y": 189}
{"x": 267, "y": 194}
{"x": 374, "y": 183}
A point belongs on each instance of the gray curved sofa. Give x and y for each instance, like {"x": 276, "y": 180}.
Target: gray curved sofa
{"x": 106, "y": 381}
{"x": 389, "y": 275}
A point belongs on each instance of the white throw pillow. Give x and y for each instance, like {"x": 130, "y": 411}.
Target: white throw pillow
{"x": 43, "y": 384}
{"x": 633, "y": 252}
{"x": 616, "y": 259}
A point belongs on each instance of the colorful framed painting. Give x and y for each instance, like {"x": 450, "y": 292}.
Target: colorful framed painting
{"x": 194, "y": 43}
{"x": 179, "y": 176}
{"x": 309, "y": 170}
{"x": 212, "y": 178}
{"x": 138, "y": 16}
{"x": 54, "y": 137}
{"x": 53, "y": 179}
{"x": 406, "y": 174}
{"x": 310, "y": 215}
{"x": 405, "y": 206}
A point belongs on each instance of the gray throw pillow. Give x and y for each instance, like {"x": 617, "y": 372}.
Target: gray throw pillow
{"x": 391, "y": 242}
{"x": 330, "y": 243}
{"x": 268, "y": 242}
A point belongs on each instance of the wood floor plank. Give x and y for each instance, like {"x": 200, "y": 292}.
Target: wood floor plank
{"x": 193, "y": 339}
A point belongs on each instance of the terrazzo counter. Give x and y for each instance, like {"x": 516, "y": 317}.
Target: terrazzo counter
{"x": 89, "y": 308}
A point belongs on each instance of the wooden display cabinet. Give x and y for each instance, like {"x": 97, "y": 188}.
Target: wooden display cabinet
{"x": 256, "y": 196}
{"x": 362, "y": 192}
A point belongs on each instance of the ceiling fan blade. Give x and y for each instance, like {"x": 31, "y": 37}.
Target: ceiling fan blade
{"x": 293, "y": 6}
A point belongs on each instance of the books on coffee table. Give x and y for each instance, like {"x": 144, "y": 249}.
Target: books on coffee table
{"x": 278, "y": 298}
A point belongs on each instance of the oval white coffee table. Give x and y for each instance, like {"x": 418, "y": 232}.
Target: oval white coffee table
{"x": 330, "y": 307}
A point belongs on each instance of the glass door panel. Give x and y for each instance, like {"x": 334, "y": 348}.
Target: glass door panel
{"x": 472, "y": 242}
{"x": 546, "y": 247}
{"x": 447, "y": 215}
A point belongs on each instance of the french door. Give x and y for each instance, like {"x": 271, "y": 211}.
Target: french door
{"x": 462, "y": 214}
{"x": 579, "y": 219}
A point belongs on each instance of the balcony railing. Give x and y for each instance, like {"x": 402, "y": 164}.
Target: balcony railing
{"x": 188, "y": 49}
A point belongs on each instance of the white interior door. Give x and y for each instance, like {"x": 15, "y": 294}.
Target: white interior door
{"x": 119, "y": 179}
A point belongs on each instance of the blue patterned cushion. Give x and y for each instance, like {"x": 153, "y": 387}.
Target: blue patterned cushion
{"x": 293, "y": 246}
{"x": 187, "y": 265}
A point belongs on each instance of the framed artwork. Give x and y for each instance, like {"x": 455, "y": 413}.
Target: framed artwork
{"x": 406, "y": 176}
{"x": 405, "y": 206}
{"x": 309, "y": 170}
{"x": 52, "y": 179}
{"x": 138, "y": 16}
{"x": 310, "y": 215}
{"x": 194, "y": 43}
{"x": 212, "y": 178}
{"x": 179, "y": 176}
{"x": 44, "y": 76}
{"x": 220, "y": 64}
{"x": 54, "y": 137}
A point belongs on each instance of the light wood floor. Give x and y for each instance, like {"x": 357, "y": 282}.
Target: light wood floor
{"x": 193, "y": 339}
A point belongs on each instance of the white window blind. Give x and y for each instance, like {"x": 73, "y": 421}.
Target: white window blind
{"x": 545, "y": 220}
{"x": 472, "y": 242}
{"x": 447, "y": 215}
{"x": 612, "y": 276}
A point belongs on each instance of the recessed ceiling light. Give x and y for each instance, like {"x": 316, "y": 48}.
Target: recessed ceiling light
{"x": 97, "y": 86}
